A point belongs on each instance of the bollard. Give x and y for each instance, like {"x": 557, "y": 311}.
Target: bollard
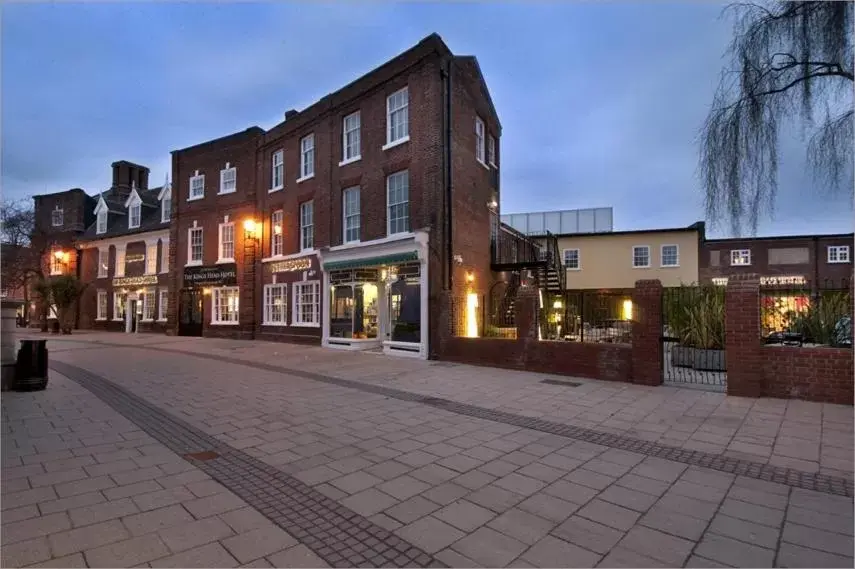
{"x": 8, "y": 334}
{"x": 31, "y": 372}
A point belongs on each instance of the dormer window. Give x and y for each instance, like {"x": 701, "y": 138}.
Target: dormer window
{"x": 101, "y": 222}
{"x": 134, "y": 216}
{"x": 56, "y": 219}
{"x": 228, "y": 179}
{"x": 165, "y": 198}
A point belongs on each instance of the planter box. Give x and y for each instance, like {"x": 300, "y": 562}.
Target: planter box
{"x": 709, "y": 360}
{"x": 682, "y": 356}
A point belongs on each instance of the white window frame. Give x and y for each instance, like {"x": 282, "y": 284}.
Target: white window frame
{"x": 103, "y": 263}
{"x": 164, "y": 256}
{"x": 567, "y": 266}
{"x": 282, "y": 288}
{"x": 148, "y": 305}
{"x": 162, "y": 304}
{"x": 216, "y": 316}
{"x": 355, "y": 153}
{"x": 296, "y": 304}
{"x": 838, "y": 254}
{"x": 151, "y": 259}
{"x": 116, "y": 297}
{"x": 402, "y": 111}
{"x": 638, "y": 248}
{"x": 101, "y": 222}
{"x": 53, "y": 217}
{"x": 134, "y": 215}
{"x": 307, "y": 225}
{"x": 277, "y": 171}
{"x": 662, "y": 256}
{"x": 228, "y": 179}
{"x": 190, "y": 260}
{"x": 197, "y": 186}
{"x": 307, "y": 158}
{"x": 101, "y": 311}
{"x": 221, "y": 252}
{"x": 119, "y": 269}
{"x": 277, "y": 241}
{"x": 166, "y": 207}
{"x": 354, "y": 217}
{"x": 737, "y": 256}
{"x": 390, "y": 205}
{"x": 480, "y": 141}
{"x": 491, "y": 150}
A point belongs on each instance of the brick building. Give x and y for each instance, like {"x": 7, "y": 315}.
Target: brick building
{"x": 820, "y": 261}
{"x": 347, "y": 222}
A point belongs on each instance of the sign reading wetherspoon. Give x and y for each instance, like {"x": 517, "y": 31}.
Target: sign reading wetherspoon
{"x": 768, "y": 281}
{"x": 135, "y": 281}
{"x": 290, "y": 265}
{"x": 135, "y": 258}
{"x": 225, "y": 274}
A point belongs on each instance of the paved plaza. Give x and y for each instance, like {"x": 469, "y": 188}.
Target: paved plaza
{"x": 148, "y": 450}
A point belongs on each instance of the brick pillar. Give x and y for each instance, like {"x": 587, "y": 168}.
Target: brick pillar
{"x": 647, "y": 332}
{"x": 742, "y": 343}
{"x": 526, "y": 305}
{"x": 443, "y": 323}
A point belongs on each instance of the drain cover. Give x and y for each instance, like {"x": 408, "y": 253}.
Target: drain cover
{"x": 204, "y": 455}
{"x": 559, "y": 382}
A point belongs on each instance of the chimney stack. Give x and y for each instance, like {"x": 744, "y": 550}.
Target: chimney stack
{"x": 290, "y": 113}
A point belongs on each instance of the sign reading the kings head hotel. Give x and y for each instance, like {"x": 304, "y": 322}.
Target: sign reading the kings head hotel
{"x": 225, "y": 274}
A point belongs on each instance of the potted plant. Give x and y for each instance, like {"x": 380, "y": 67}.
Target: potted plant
{"x": 820, "y": 323}
{"x": 705, "y": 332}
{"x": 677, "y": 303}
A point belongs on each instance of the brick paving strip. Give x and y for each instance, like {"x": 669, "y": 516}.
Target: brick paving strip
{"x": 339, "y": 536}
{"x": 782, "y": 475}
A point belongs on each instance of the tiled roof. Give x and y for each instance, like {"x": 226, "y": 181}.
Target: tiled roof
{"x": 117, "y": 216}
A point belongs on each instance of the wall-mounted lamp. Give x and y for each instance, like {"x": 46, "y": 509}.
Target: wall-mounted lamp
{"x": 206, "y": 291}
{"x": 492, "y": 205}
{"x": 557, "y": 305}
{"x": 60, "y": 255}
{"x": 470, "y": 278}
{"x": 251, "y": 228}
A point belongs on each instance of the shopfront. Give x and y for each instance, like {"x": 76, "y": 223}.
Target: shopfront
{"x": 219, "y": 282}
{"x": 375, "y": 296}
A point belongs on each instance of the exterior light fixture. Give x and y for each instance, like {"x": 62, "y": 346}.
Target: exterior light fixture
{"x": 627, "y": 309}
{"x": 60, "y": 255}
{"x": 557, "y": 305}
{"x": 251, "y": 227}
{"x": 206, "y": 291}
{"x": 470, "y": 277}
{"x": 471, "y": 315}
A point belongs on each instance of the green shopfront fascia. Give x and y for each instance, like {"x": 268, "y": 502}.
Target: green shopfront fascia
{"x": 375, "y": 295}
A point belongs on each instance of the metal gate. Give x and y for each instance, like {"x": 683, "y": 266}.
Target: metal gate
{"x": 692, "y": 338}
{"x": 190, "y": 312}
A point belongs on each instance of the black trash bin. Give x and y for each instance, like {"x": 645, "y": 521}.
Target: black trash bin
{"x": 31, "y": 368}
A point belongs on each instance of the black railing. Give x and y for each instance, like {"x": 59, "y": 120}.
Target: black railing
{"x": 511, "y": 249}
{"x": 806, "y": 313}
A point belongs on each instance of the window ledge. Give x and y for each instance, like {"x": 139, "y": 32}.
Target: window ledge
{"x": 213, "y": 323}
{"x": 304, "y": 178}
{"x": 398, "y": 142}
{"x": 838, "y": 262}
{"x": 100, "y": 320}
{"x": 275, "y": 189}
{"x": 641, "y": 267}
{"x": 118, "y": 319}
{"x": 275, "y": 324}
{"x": 350, "y": 160}
{"x": 161, "y": 320}
{"x": 193, "y": 199}
{"x": 482, "y": 163}
{"x": 222, "y": 193}
{"x": 193, "y": 264}
{"x": 304, "y": 325}
{"x": 493, "y": 164}
{"x": 147, "y": 320}
{"x": 669, "y": 266}
{"x": 573, "y": 268}
{"x": 222, "y": 261}
{"x": 103, "y": 277}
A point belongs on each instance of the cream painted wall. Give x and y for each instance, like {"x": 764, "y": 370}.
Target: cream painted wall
{"x": 605, "y": 260}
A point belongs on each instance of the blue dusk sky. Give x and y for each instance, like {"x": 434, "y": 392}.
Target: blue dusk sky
{"x": 601, "y": 102}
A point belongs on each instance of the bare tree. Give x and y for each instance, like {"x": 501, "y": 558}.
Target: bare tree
{"x": 789, "y": 60}
{"x": 23, "y": 248}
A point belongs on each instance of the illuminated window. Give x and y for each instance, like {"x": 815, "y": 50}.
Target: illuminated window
{"x": 151, "y": 259}
{"x": 102, "y": 305}
{"x": 119, "y": 300}
{"x": 56, "y": 217}
{"x": 147, "y": 298}
{"x": 276, "y": 233}
{"x": 103, "y": 263}
{"x": 194, "y": 246}
{"x": 274, "y": 304}
{"x": 226, "y": 301}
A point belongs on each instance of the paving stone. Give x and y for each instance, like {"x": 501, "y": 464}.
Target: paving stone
{"x": 182, "y": 478}
{"x": 415, "y": 458}
{"x": 674, "y": 523}
{"x": 88, "y": 537}
{"x": 697, "y": 561}
{"x": 430, "y": 534}
{"x": 51, "y": 478}
{"x": 24, "y": 552}
{"x": 213, "y": 505}
{"x": 495, "y": 498}
{"x": 132, "y": 476}
{"x": 628, "y": 498}
{"x": 355, "y": 482}
{"x": 63, "y": 504}
{"x": 588, "y": 534}
{"x": 570, "y": 491}
{"x": 460, "y": 463}
{"x": 837, "y": 505}
{"x": 369, "y": 502}
{"x": 734, "y": 553}
{"x": 522, "y": 526}
{"x": 801, "y": 516}
{"x": 205, "y": 488}
{"x": 410, "y": 510}
{"x": 210, "y": 555}
{"x": 498, "y": 468}
{"x": 130, "y": 490}
{"x": 258, "y": 543}
{"x": 549, "y": 507}
{"x": 195, "y": 534}
{"x": 752, "y": 512}
{"x": 643, "y": 484}
{"x": 474, "y": 479}
{"x": 829, "y": 542}
{"x": 589, "y": 478}
{"x": 22, "y": 513}
{"x": 453, "y": 559}
{"x": 69, "y": 561}
{"x": 388, "y": 469}
{"x": 659, "y": 469}
{"x": 520, "y": 484}
{"x": 34, "y": 527}
{"x": 111, "y": 467}
{"x": 749, "y": 532}
{"x": 445, "y": 493}
{"x": 609, "y": 514}
{"x": 23, "y": 471}
{"x": 258, "y": 563}
{"x": 297, "y": 556}
{"x": 553, "y": 552}
{"x": 28, "y": 497}
{"x": 102, "y": 512}
{"x": 162, "y": 498}
{"x": 244, "y": 519}
{"x": 790, "y": 555}
{"x": 317, "y": 475}
{"x": 403, "y": 487}
{"x": 127, "y": 553}
{"x": 542, "y": 472}
{"x": 669, "y": 550}
{"x": 465, "y": 515}
{"x": 385, "y": 522}
{"x": 15, "y": 485}
{"x": 620, "y": 557}
{"x": 156, "y": 520}
{"x": 688, "y": 506}
{"x": 489, "y": 547}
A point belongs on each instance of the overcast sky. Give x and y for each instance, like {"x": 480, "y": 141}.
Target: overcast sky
{"x": 600, "y": 102}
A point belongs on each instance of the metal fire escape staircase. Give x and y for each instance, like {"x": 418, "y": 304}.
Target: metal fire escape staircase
{"x": 535, "y": 255}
